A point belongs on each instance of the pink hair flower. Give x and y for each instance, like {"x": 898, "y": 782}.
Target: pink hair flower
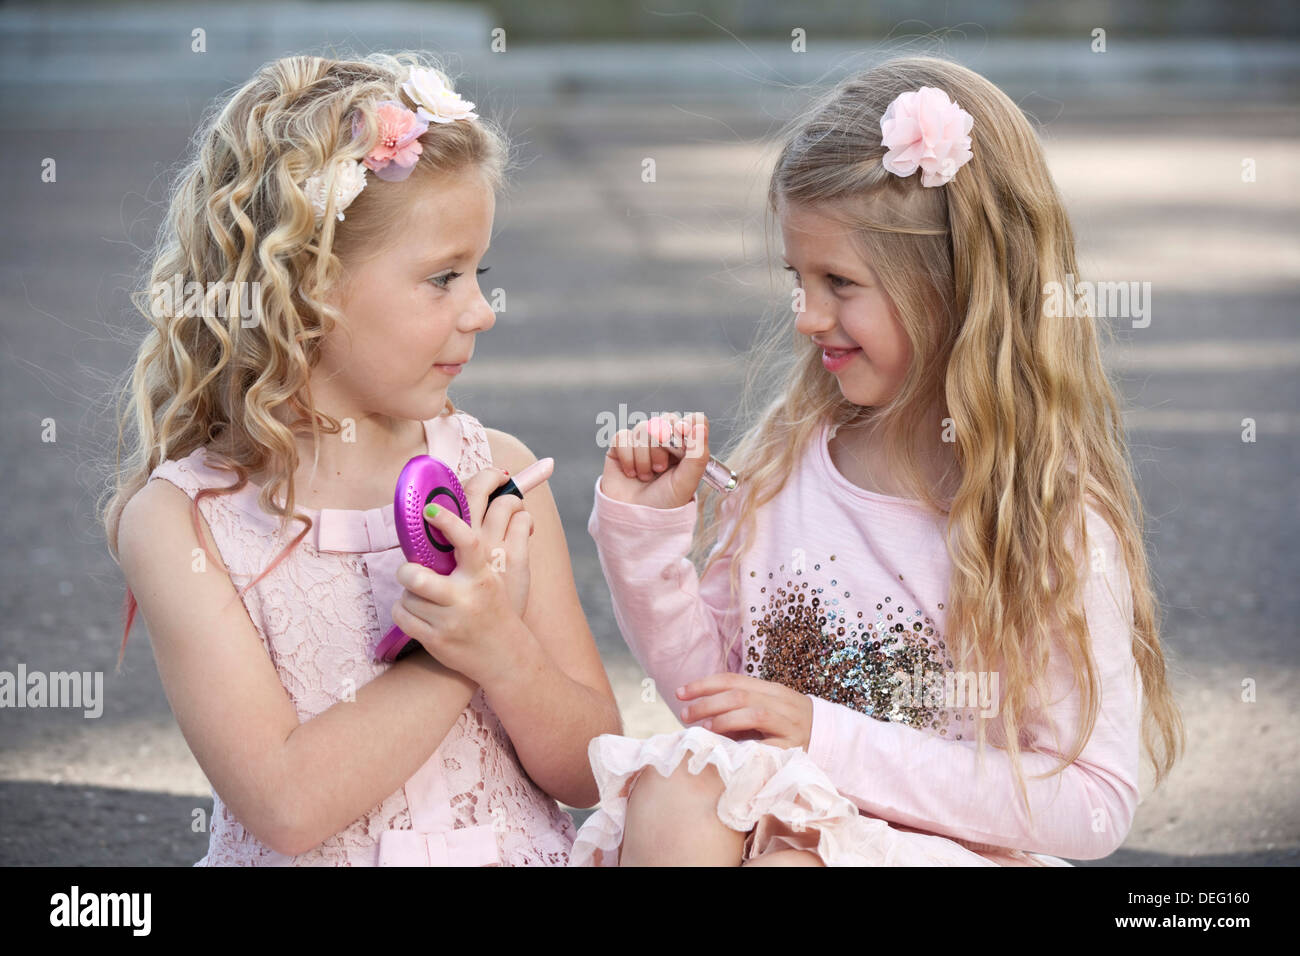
{"x": 924, "y": 128}
{"x": 394, "y": 154}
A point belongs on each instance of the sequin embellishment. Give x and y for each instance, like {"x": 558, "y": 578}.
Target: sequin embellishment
{"x": 805, "y": 638}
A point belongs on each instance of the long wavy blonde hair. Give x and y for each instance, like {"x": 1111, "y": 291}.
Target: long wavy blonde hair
{"x": 1036, "y": 421}
{"x": 238, "y": 214}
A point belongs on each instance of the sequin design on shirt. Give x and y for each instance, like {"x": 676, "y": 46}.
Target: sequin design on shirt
{"x": 813, "y": 639}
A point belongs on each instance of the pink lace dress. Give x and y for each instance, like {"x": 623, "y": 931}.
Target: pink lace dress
{"x": 319, "y": 614}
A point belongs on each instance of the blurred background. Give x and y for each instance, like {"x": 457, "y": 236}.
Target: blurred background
{"x": 1175, "y": 147}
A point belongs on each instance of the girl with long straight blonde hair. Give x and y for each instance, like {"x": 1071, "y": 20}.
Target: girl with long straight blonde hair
{"x": 922, "y": 628}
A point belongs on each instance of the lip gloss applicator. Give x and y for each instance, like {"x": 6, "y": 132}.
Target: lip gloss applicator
{"x": 716, "y": 475}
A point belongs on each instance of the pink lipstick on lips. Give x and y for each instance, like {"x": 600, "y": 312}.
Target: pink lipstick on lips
{"x": 835, "y": 359}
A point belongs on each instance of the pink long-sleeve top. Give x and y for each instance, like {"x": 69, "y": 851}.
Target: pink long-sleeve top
{"x": 842, "y": 595}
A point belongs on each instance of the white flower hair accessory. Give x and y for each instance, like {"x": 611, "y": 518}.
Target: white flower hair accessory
{"x": 394, "y": 155}
{"x": 349, "y": 180}
{"x": 925, "y": 128}
{"x": 436, "y": 101}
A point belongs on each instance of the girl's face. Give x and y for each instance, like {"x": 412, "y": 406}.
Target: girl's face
{"x": 412, "y": 311}
{"x": 846, "y": 311}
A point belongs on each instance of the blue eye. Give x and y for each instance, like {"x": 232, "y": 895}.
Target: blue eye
{"x": 838, "y": 281}
{"x": 442, "y": 281}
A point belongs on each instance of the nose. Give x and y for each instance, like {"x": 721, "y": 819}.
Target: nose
{"x": 818, "y": 315}
{"x": 479, "y": 316}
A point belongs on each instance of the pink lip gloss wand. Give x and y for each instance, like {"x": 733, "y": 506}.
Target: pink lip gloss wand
{"x": 716, "y": 475}
{"x": 424, "y": 483}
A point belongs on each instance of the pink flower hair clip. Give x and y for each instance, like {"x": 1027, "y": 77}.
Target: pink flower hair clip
{"x": 394, "y": 154}
{"x": 924, "y": 128}
{"x": 398, "y": 147}
{"x": 391, "y": 159}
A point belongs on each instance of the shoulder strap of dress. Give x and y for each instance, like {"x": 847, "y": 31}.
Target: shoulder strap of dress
{"x": 476, "y": 453}
{"x": 192, "y": 473}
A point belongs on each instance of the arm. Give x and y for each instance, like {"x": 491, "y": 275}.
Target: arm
{"x": 556, "y": 696}
{"x": 678, "y": 627}
{"x": 291, "y": 785}
{"x": 910, "y": 777}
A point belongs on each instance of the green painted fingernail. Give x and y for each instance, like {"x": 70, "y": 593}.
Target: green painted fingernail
{"x": 430, "y": 511}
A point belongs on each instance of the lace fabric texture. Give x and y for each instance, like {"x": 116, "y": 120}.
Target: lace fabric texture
{"x": 317, "y": 619}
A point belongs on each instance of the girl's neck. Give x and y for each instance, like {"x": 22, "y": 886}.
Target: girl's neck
{"x": 859, "y": 455}
{"x": 356, "y": 468}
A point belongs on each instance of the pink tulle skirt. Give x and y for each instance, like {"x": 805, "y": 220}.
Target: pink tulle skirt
{"x": 780, "y": 798}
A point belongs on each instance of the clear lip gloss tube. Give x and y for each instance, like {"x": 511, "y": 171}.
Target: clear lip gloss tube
{"x": 717, "y": 475}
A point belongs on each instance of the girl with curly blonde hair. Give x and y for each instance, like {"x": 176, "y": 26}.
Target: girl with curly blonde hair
{"x": 252, "y": 513}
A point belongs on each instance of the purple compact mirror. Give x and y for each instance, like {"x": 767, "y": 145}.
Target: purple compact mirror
{"x": 424, "y": 480}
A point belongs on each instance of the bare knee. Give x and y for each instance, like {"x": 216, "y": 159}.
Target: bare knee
{"x": 674, "y": 820}
{"x": 680, "y": 788}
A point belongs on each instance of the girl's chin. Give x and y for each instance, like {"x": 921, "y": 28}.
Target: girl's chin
{"x": 422, "y": 404}
{"x": 859, "y": 393}
{"x": 866, "y": 394}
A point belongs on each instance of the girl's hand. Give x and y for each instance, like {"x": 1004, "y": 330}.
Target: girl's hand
{"x": 746, "y": 708}
{"x": 466, "y": 619}
{"x": 638, "y": 470}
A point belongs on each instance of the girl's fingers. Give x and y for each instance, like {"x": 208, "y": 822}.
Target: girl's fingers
{"x": 426, "y": 610}
{"x": 516, "y": 541}
{"x": 425, "y": 584}
{"x": 412, "y": 625}
{"x": 621, "y": 451}
{"x": 661, "y": 432}
{"x": 520, "y": 529}
{"x": 746, "y": 718}
{"x": 695, "y": 436}
{"x": 714, "y": 683}
{"x": 641, "y": 453}
{"x": 514, "y": 538}
{"x": 515, "y": 569}
{"x": 714, "y": 704}
{"x": 469, "y": 550}
{"x": 498, "y": 517}
{"x": 477, "y": 489}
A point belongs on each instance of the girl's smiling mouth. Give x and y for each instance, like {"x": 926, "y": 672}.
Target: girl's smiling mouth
{"x": 836, "y": 359}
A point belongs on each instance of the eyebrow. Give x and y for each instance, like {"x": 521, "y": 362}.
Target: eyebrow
{"x": 856, "y": 267}
{"x": 454, "y": 254}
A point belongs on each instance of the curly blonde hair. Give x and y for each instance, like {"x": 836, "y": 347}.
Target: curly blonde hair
{"x": 237, "y": 217}
{"x": 1036, "y": 421}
